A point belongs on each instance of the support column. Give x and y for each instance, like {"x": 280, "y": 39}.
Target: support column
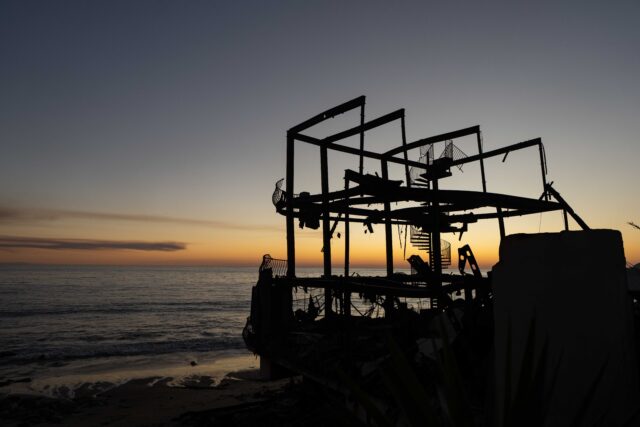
{"x": 291, "y": 238}
{"x": 484, "y": 181}
{"x": 326, "y": 228}
{"x": 347, "y": 294}
{"x": 435, "y": 238}
{"x": 501, "y": 222}
{"x": 406, "y": 155}
{"x": 484, "y": 185}
{"x": 361, "y": 165}
{"x": 387, "y": 223}
{"x": 543, "y": 169}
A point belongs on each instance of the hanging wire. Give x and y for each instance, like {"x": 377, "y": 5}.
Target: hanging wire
{"x": 540, "y": 223}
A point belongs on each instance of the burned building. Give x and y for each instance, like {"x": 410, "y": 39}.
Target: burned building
{"x": 338, "y": 321}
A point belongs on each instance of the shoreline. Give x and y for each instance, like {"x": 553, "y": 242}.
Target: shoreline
{"x": 162, "y": 400}
{"x": 138, "y": 402}
{"x": 94, "y": 376}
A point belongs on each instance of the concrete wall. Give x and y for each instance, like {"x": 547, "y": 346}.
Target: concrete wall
{"x": 574, "y": 284}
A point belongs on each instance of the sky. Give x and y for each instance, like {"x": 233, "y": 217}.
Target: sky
{"x": 153, "y": 132}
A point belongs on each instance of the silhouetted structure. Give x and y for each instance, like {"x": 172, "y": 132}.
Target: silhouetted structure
{"x": 330, "y": 328}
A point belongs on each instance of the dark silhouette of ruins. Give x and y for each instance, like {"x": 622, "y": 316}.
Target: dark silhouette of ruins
{"x": 367, "y": 199}
{"x": 338, "y": 325}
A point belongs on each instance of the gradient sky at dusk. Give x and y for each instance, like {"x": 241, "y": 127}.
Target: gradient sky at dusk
{"x": 154, "y": 131}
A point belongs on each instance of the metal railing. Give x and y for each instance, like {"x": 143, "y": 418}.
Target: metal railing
{"x": 277, "y": 266}
{"x": 426, "y": 157}
{"x": 445, "y": 253}
{"x": 453, "y": 152}
{"x": 278, "y": 196}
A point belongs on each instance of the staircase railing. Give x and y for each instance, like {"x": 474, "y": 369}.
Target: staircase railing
{"x": 445, "y": 253}
{"x": 422, "y": 240}
{"x": 453, "y": 152}
{"x": 426, "y": 157}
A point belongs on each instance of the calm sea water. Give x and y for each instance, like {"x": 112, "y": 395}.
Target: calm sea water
{"x": 64, "y": 313}
{"x": 63, "y": 320}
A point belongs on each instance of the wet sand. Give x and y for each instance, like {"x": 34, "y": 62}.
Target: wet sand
{"x": 237, "y": 398}
{"x": 147, "y": 402}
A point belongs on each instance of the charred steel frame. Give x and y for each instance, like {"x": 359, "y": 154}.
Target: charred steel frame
{"x": 437, "y": 214}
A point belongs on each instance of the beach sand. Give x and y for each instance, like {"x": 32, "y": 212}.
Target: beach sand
{"x": 238, "y": 398}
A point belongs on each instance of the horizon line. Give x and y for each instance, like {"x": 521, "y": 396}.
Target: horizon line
{"x": 222, "y": 265}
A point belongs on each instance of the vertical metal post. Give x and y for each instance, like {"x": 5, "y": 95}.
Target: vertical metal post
{"x": 484, "y": 181}
{"x": 291, "y": 238}
{"x": 347, "y": 294}
{"x": 484, "y": 186}
{"x": 501, "y": 222}
{"x": 566, "y": 219}
{"x": 346, "y": 230}
{"x": 406, "y": 155}
{"x": 326, "y": 227}
{"x": 435, "y": 238}
{"x": 361, "y": 138}
{"x": 543, "y": 169}
{"x": 388, "y": 233}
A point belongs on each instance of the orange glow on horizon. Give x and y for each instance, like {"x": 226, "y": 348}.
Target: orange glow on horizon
{"x": 236, "y": 248}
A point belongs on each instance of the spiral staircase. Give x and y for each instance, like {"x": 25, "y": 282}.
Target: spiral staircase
{"x": 421, "y": 239}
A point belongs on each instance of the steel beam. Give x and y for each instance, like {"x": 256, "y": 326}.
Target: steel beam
{"x": 330, "y": 113}
{"x": 566, "y": 206}
{"x": 395, "y": 115}
{"x": 356, "y": 151}
{"x": 498, "y": 152}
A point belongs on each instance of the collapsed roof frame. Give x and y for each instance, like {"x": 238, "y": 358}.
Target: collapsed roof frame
{"x": 438, "y": 204}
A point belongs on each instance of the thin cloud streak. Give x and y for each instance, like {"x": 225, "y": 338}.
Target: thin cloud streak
{"x": 10, "y": 215}
{"x": 10, "y": 242}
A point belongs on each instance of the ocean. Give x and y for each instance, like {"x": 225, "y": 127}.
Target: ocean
{"x": 63, "y": 326}
{"x": 59, "y": 321}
